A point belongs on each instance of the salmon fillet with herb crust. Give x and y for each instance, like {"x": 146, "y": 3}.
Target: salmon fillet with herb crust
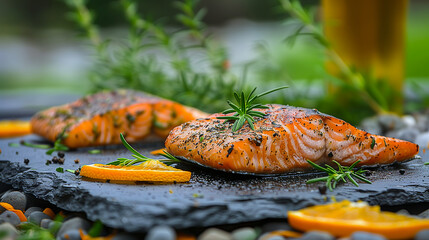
{"x": 98, "y": 119}
{"x": 282, "y": 142}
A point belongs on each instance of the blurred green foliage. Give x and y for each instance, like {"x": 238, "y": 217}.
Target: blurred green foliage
{"x": 300, "y": 67}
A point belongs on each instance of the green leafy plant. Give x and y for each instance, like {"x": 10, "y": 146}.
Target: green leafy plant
{"x": 31, "y": 231}
{"x": 138, "y": 157}
{"x": 133, "y": 64}
{"x": 335, "y": 176}
{"x": 244, "y": 111}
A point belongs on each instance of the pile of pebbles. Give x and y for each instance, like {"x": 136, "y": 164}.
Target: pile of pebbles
{"x": 413, "y": 128}
{"x": 73, "y": 223}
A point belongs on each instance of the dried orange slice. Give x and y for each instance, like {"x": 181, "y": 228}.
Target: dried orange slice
{"x": 151, "y": 171}
{"x": 14, "y": 128}
{"x": 343, "y": 218}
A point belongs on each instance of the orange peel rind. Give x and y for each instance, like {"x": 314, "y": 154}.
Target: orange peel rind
{"x": 150, "y": 171}
{"x": 341, "y": 219}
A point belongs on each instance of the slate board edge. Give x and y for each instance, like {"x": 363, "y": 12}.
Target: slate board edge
{"x": 49, "y": 187}
{"x": 57, "y": 192}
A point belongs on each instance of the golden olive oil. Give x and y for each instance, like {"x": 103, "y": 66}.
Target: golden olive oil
{"x": 369, "y": 36}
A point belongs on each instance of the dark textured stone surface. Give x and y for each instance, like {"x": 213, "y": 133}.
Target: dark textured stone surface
{"x": 223, "y": 198}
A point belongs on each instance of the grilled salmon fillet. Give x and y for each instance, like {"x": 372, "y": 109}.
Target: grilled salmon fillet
{"x": 98, "y": 119}
{"x": 282, "y": 142}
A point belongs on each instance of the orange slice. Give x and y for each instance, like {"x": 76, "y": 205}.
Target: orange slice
{"x": 14, "y": 128}
{"x": 158, "y": 151}
{"x": 343, "y": 218}
{"x": 151, "y": 171}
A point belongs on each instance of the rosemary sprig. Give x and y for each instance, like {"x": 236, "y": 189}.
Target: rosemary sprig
{"x": 138, "y": 157}
{"x": 244, "y": 110}
{"x": 335, "y": 176}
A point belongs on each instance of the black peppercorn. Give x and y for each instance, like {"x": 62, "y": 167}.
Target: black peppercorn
{"x": 322, "y": 189}
{"x": 60, "y": 154}
{"x": 26, "y": 161}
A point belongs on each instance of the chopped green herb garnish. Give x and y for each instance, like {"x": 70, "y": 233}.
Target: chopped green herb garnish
{"x": 13, "y": 145}
{"x": 94, "y": 151}
{"x": 197, "y": 195}
{"x": 244, "y": 110}
{"x": 372, "y": 143}
{"x": 58, "y": 146}
{"x": 427, "y": 163}
{"x": 71, "y": 171}
{"x": 335, "y": 176}
{"x": 60, "y": 170}
{"x": 41, "y": 146}
{"x": 201, "y": 138}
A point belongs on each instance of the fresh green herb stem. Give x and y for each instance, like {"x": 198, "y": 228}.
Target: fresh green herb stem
{"x": 335, "y": 176}
{"x": 139, "y": 158}
{"x": 58, "y": 146}
{"x": 244, "y": 110}
{"x": 94, "y": 151}
{"x": 427, "y": 163}
{"x": 32, "y": 145}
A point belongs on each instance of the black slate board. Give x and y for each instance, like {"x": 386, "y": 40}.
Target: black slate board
{"x": 210, "y": 198}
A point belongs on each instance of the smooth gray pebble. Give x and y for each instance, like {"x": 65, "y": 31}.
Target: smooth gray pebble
{"x": 215, "y": 234}
{"x": 9, "y": 230}
{"x": 403, "y": 212}
{"x": 424, "y": 214}
{"x": 75, "y": 223}
{"x": 422, "y": 235}
{"x": 17, "y": 199}
{"x": 317, "y": 235}
{"x": 36, "y": 217}
{"x": 246, "y": 233}
{"x": 31, "y": 210}
{"x": 271, "y": 238}
{"x": 161, "y": 233}
{"x": 71, "y": 234}
{"x": 10, "y": 217}
{"x": 366, "y": 236}
{"x": 45, "y": 223}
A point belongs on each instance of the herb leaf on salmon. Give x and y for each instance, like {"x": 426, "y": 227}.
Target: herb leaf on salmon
{"x": 245, "y": 110}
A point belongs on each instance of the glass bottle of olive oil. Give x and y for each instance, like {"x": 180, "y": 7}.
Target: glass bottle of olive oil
{"x": 369, "y": 36}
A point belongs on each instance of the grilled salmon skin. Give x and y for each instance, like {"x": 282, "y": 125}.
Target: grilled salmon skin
{"x": 282, "y": 142}
{"x": 98, "y": 119}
